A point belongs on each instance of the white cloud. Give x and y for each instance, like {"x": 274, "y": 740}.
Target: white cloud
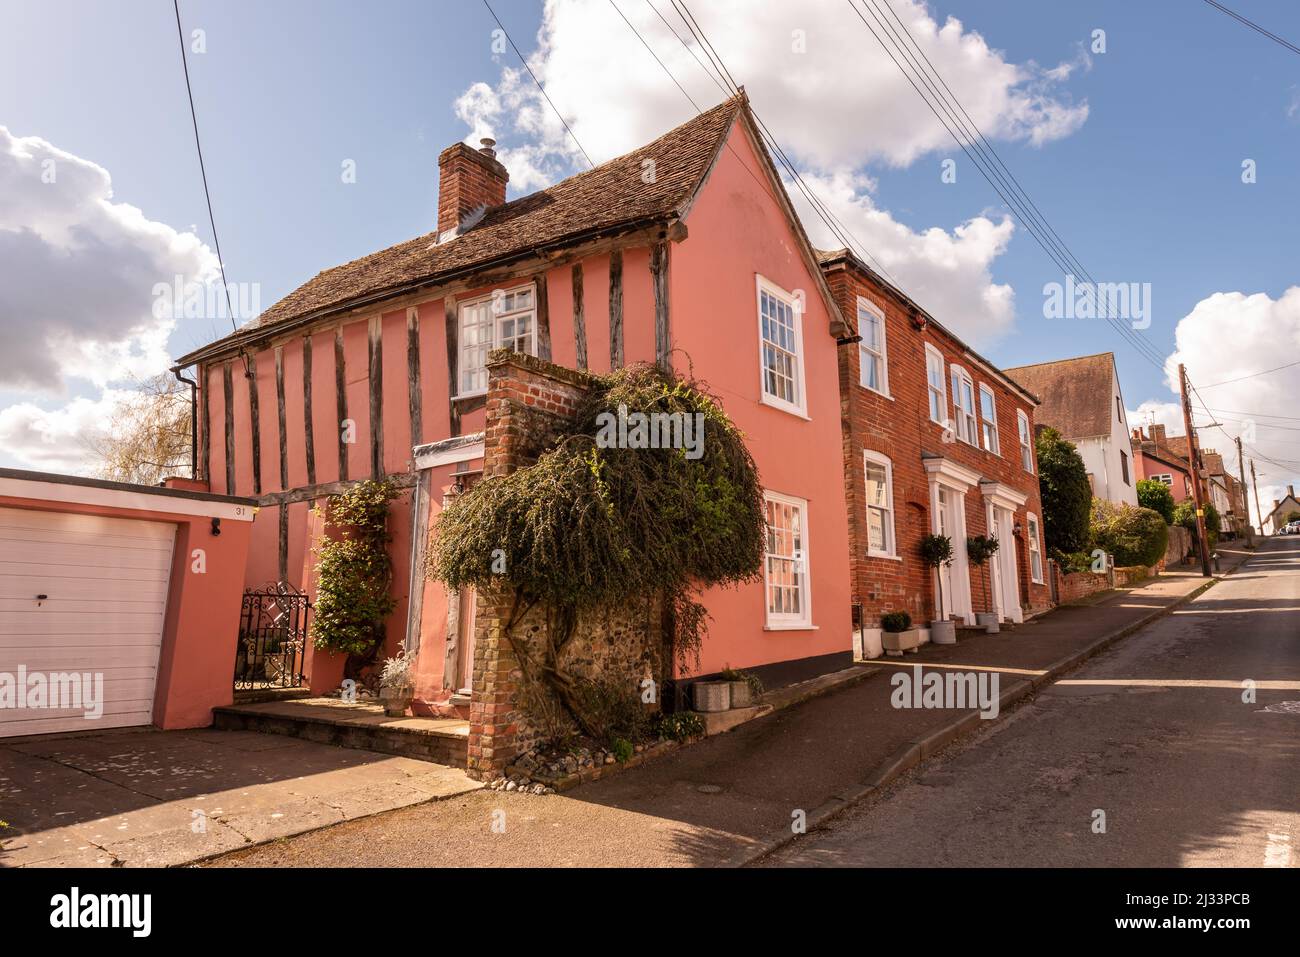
{"x": 1227, "y": 336}
{"x": 77, "y": 301}
{"x": 837, "y": 107}
{"x": 84, "y": 304}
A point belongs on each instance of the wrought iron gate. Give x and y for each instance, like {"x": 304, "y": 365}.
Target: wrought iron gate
{"x": 272, "y": 637}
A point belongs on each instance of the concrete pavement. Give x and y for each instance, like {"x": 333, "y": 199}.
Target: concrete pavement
{"x": 162, "y": 798}
{"x": 732, "y": 798}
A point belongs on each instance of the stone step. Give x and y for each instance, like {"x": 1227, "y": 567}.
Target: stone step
{"x": 361, "y": 725}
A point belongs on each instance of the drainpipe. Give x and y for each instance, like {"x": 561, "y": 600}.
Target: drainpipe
{"x": 194, "y": 421}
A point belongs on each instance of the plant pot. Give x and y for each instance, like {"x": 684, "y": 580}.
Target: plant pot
{"x": 712, "y": 695}
{"x": 742, "y": 696}
{"x": 897, "y": 642}
{"x": 396, "y": 700}
{"x": 988, "y": 621}
{"x": 943, "y": 633}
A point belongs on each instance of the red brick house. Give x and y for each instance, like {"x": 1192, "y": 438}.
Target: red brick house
{"x": 936, "y": 440}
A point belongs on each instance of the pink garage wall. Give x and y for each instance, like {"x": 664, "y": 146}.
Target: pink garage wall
{"x": 201, "y": 625}
{"x": 736, "y": 230}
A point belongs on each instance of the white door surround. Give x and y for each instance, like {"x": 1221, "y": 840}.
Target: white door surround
{"x": 1001, "y": 504}
{"x": 955, "y": 480}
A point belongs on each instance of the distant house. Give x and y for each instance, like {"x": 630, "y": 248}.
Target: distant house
{"x": 1081, "y": 399}
{"x": 1156, "y": 459}
{"x": 1275, "y": 519}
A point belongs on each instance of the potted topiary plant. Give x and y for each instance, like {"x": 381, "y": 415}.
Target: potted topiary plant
{"x": 397, "y": 685}
{"x": 745, "y": 686}
{"x": 980, "y": 549}
{"x": 898, "y": 635}
{"x": 711, "y": 695}
{"x": 936, "y": 551}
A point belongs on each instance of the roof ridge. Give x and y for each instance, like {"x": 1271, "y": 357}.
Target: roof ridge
{"x": 1052, "y": 362}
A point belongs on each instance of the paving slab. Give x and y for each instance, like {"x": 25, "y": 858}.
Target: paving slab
{"x": 163, "y": 798}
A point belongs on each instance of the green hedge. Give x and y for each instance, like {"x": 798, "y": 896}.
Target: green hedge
{"x": 1135, "y": 536}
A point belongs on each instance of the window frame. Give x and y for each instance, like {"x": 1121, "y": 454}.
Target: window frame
{"x": 996, "y": 448}
{"x": 967, "y": 429}
{"x": 1024, "y": 435}
{"x": 1034, "y": 544}
{"x": 800, "y": 408}
{"x": 942, "y": 391}
{"x": 785, "y": 621}
{"x": 463, "y": 313}
{"x": 1165, "y": 478}
{"x": 880, "y": 460}
{"x": 1124, "y": 468}
{"x": 865, "y": 352}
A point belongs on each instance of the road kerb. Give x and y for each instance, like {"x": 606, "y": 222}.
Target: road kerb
{"x": 919, "y": 749}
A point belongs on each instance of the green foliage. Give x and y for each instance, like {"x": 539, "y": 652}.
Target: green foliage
{"x": 1071, "y": 561}
{"x": 614, "y": 707}
{"x": 1157, "y": 497}
{"x": 1185, "y": 515}
{"x": 895, "y": 621}
{"x": 1065, "y": 490}
{"x": 1291, "y": 517}
{"x": 622, "y": 749}
{"x": 355, "y": 572}
{"x": 981, "y": 548}
{"x": 587, "y": 528}
{"x": 755, "y": 683}
{"x": 679, "y": 726}
{"x": 1135, "y": 536}
{"x": 936, "y": 550}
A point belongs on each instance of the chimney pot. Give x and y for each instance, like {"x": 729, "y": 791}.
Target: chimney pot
{"x": 485, "y": 146}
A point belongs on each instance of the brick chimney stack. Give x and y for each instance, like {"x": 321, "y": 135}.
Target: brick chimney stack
{"x": 468, "y": 180}
{"x": 1157, "y": 433}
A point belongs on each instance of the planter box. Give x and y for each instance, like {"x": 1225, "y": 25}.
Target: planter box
{"x": 741, "y": 695}
{"x": 712, "y": 695}
{"x": 943, "y": 633}
{"x": 897, "y": 642}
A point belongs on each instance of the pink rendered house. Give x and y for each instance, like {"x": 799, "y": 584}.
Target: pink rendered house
{"x": 685, "y": 251}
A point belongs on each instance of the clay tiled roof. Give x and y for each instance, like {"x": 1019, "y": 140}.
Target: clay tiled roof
{"x": 1076, "y": 393}
{"x": 613, "y": 195}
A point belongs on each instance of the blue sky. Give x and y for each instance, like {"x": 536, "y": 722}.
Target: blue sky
{"x": 1147, "y": 188}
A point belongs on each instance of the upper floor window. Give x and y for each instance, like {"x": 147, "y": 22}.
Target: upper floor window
{"x": 873, "y": 369}
{"x": 781, "y": 341}
{"x": 1035, "y": 548}
{"x": 1166, "y": 479}
{"x": 1119, "y": 409}
{"x": 507, "y": 319}
{"x": 935, "y": 384}
{"x": 1123, "y": 467}
{"x": 785, "y": 567}
{"x": 1026, "y": 441}
{"x": 880, "y": 504}
{"x": 988, "y": 420}
{"x": 963, "y": 406}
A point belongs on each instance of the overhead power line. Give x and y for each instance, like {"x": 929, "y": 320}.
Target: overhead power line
{"x": 923, "y": 76}
{"x": 203, "y": 171}
{"x": 538, "y": 83}
{"x": 1254, "y": 26}
{"x": 1252, "y": 375}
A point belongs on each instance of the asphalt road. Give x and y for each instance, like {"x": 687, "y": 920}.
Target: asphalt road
{"x": 1153, "y": 734}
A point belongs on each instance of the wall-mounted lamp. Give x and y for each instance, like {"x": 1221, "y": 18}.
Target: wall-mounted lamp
{"x": 1019, "y": 529}
{"x": 216, "y": 526}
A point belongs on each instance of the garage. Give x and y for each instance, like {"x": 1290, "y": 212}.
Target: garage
{"x": 86, "y": 595}
{"x": 119, "y": 603}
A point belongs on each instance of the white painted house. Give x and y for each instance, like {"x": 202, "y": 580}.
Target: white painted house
{"x": 1082, "y": 400}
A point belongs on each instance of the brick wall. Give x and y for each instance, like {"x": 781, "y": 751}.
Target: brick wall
{"x": 900, "y": 428}
{"x": 1078, "y": 585}
{"x": 529, "y": 401}
{"x": 467, "y": 179}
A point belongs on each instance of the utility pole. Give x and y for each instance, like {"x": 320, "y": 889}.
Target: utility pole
{"x": 1241, "y": 469}
{"x": 1258, "y": 512}
{"x": 1192, "y": 456}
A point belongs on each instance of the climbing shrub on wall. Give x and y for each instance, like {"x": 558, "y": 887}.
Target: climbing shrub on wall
{"x": 355, "y": 575}
{"x": 589, "y": 527}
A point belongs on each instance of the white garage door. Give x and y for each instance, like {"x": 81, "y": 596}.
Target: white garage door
{"x": 105, "y": 587}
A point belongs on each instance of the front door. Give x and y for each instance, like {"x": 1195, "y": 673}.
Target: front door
{"x": 1008, "y": 598}
{"x": 947, "y": 514}
{"x": 465, "y": 640}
